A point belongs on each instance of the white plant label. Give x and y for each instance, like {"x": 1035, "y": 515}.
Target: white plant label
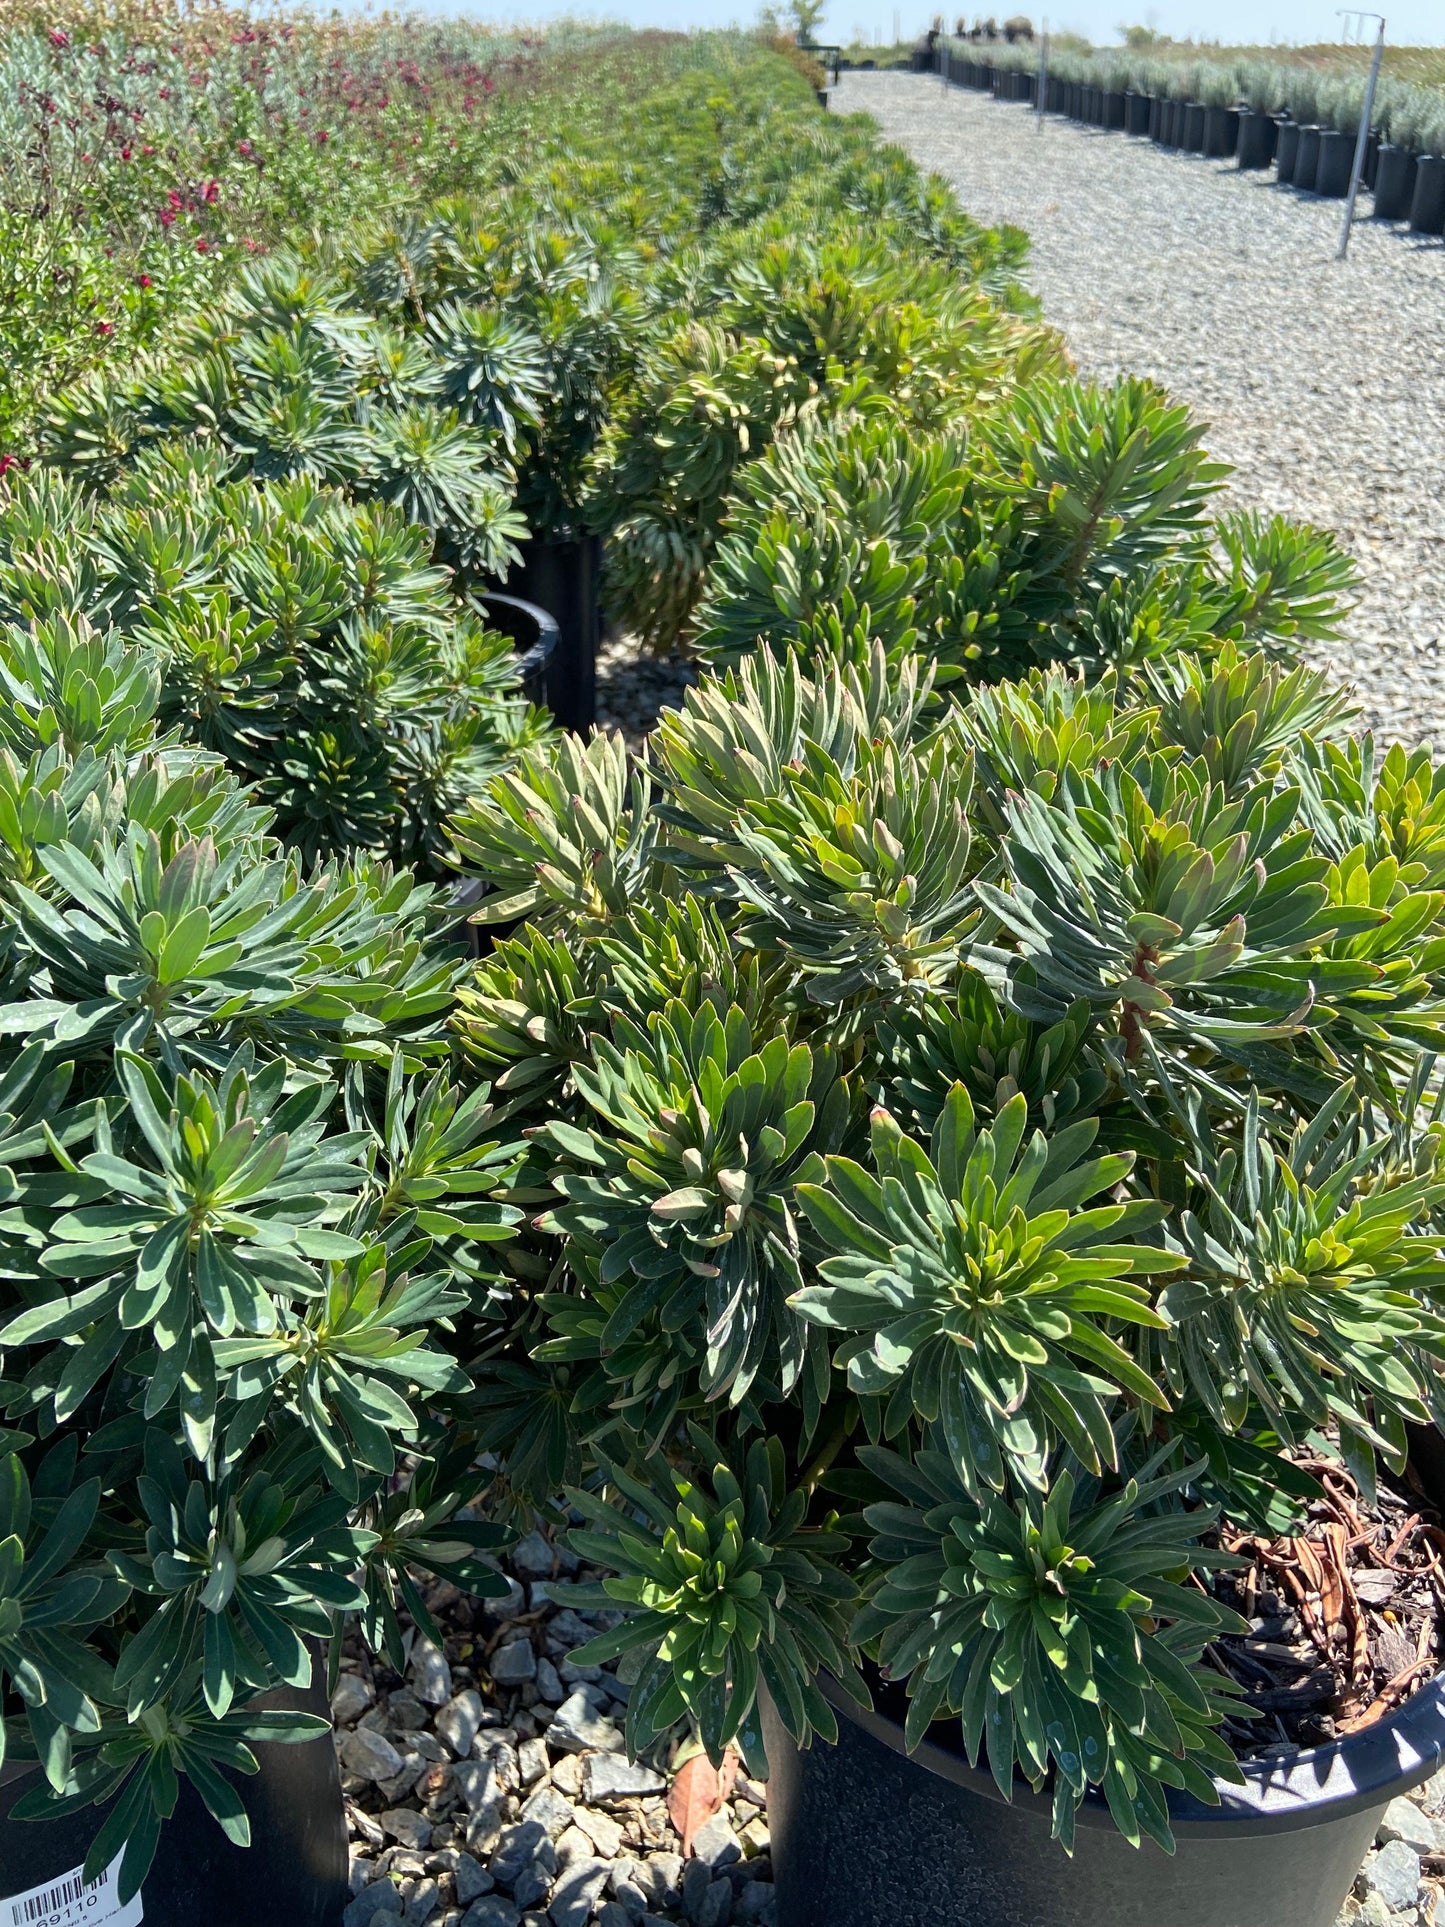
{"x": 71, "y": 1901}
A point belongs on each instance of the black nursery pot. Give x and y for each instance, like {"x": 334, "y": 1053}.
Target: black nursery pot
{"x": 534, "y": 633}
{"x": 1138, "y": 115}
{"x": 292, "y": 1875}
{"x": 1336, "y": 164}
{"x": 1115, "y": 112}
{"x": 1255, "y": 145}
{"x": 864, "y": 1834}
{"x": 1194, "y": 115}
{"x": 1221, "y": 133}
{"x": 1307, "y": 159}
{"x": 1427, "y": 204}
{"x": 1286, "y": 151}
{"x": 1394, "y": 182}
{"x": 564, "y": 577}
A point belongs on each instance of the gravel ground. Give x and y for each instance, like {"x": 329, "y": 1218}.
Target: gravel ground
{"x": 633, "y": 685}
{"x": 488, "y": 1785}
{"x": 1323, "y": 381}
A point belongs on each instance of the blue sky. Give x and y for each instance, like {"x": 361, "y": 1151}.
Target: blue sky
{"x": 1233, "y": 20}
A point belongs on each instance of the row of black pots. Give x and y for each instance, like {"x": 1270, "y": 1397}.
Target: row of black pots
{"x": 1406, "y": 186}
{"x": 1317, "y": 160}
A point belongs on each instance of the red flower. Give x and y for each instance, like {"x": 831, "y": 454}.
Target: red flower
{"x": 167, "y": 217}
{"x": 105, "y": 327}
{"x": 7, "y": 462}
{"x": 203, "y": 246}
{"x": 125, "y": 153}
{"x": 57, "y": 38}
{"x": 142, "y": 280}
{"x": 211, "y": 192}
{"x": 322, "y": 137}
{"x": 173, "y": 199}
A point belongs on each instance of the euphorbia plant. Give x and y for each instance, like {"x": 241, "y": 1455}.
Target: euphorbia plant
{"x": 247, "y": 1219}
{"x": 984, "y": 1137}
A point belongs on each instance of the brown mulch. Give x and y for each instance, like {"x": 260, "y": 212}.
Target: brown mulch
{"x": 1345, "y": 1619}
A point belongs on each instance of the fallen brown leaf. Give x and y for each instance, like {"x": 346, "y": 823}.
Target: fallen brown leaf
{"x": 698, "y": 1792}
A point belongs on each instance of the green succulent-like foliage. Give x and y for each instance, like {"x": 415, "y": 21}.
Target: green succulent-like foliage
{"x": 1163, "y": 1168}
{"x": 240, "y": 1205}
{"x": 970, "y": 1038}
{"x": 1312, "y": 1285}
{"x": 729, "y": 1589}
{"x": 290, "y": 382}
{"x": 49, "y": 1601}
{"x": 568, "y": 832}
{"x": 980, "y": 1281}
{"x": 1069, "y": 525}
{"x": 1170, "y": 907}
{"x": 1058, "y": 1631}
{"x": 677, "y": 1207}
{"x": 862, "y": 876}
{"x": 309, "y": 641}
{"x": 1011, "y": 819}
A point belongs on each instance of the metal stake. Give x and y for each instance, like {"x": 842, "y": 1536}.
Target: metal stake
{"x": 1367, "y": 113}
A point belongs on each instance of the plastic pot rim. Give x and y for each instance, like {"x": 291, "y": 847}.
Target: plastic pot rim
{"x": 1361, "y": 1771}
{"x": 531, "y": 664}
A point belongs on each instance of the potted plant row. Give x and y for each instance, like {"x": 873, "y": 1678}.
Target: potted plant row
{"x": 1233, "y": 112}
{"x": 260, "y": 1215}
{"x": 994, "y": 1183}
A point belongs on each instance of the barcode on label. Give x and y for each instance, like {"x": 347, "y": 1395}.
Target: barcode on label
{"x": 36, "y": 1906}
{"x": 70, "y": 1900}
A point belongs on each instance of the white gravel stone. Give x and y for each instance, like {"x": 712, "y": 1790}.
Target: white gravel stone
{"x": 1394, "y": 1874}
{"x": 1404, "y": 1820}
{"x": 715, "y": 1844}
{"x": 459, "y": 1722}
{"x": 514, "y": 1664}
{"x": 533, "y": 1556}
{"x": 612, "y": 1776}
{"x": 407, "y": 1826}
{"x": 548, "y": 1809}
{"x": 601, "y": 1829}
{"x": 370, "y": 1754}
{"x": 351, "y": 1699}
{"x": 478, "y": 1782}
{"x": 577, "y": 1891}
{"x": 470, "y": 1879}
{"x": 431, "y": 1676}
{"x": 1322, "y": 381}
{"x": 579, "y": 1727}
